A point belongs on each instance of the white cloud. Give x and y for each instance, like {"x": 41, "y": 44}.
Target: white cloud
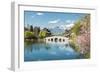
{"x": 68, "y": 26}
{"x": 54, "y": 21}
{"x": 39, "y": 13}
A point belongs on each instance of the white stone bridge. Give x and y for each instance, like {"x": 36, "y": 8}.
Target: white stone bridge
{"x": 57, "y": 39}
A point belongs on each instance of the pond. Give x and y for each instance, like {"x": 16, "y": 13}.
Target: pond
{"x": 44, "y": 52}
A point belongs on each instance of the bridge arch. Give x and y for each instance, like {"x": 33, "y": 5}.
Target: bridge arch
{"x": 56, "y": 39}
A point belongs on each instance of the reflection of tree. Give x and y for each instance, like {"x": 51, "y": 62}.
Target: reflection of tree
{"x": 47, "y": 47}
{"x": 66, "y": 45}
{"x": 28, "y": 46}
{"x": 37, "y": 46}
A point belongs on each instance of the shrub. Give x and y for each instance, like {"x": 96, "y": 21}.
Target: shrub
{"x": 42, "y": 34}
{"x": 28, "y": 35}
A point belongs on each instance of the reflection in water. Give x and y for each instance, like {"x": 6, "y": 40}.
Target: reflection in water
{"x": 43, "y": 51}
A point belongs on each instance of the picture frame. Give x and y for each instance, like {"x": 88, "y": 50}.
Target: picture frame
{"x": 17, "y": 35}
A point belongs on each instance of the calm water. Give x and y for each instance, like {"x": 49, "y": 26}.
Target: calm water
{"x": 43, "y": 51}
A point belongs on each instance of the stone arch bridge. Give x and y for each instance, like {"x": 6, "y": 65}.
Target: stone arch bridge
{"x": 57, "y": 39}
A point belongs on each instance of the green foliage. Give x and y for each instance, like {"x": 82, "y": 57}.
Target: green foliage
{"x": 74, "y": 33}
{"x": 76, "y": 28}
{"x": 75, "y": 46}
{"x": 28, "y": 34}
{"x": 42, "y": 34}
{"x": 80, "y": 36}
{"x": 87, "y": 55}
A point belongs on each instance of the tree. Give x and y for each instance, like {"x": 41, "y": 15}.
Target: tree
{"x": 48, "y": 33}
{"x": 84, "y": 42}
{"x": 31, "y": 28}
{"x": 25, "y": 28}
{"x": 80, "y": 34}
{"x": 84, "y": 38}
{"x": 29, "y": 35}
{"x": 42, "y": 34}
{"x": 67, "y": 33}
{"x": 76, "y": 28}
{"x": 36, "y": 31}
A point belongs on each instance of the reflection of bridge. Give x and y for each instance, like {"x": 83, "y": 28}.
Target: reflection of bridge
{"x": 56, "y": 39}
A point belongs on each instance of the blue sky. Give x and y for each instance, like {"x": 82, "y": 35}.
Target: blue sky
{"x": 50, "y": 19}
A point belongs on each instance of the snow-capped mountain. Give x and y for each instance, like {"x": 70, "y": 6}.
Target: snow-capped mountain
{"x": 68, "y": 26}
{"x": 57, "y": 31}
